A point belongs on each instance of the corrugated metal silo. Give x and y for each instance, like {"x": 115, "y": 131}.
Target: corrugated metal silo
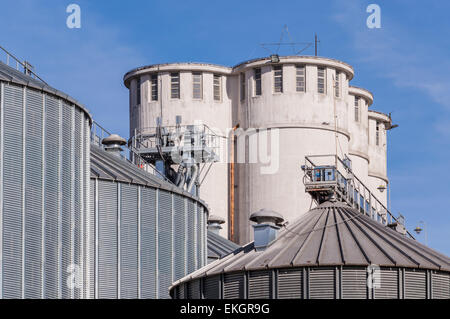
{"x": 44, "y": 156}
{"x": 148, "y": 233}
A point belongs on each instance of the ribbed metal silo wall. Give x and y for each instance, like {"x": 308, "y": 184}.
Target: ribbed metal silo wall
{"x": 147, "y": 238}
{"x": 129, "y": 246}
{"x": 42, "y": 190}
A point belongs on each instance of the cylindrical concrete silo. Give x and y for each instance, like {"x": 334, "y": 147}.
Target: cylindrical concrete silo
{"x": 296, "y": 99}
{"x": 148, "y": 233}
{"x": 44, "y": 175}
{"x": 197, "y": 92}
{"x": 379, "y": 124}
{"x": 359, "y": 101}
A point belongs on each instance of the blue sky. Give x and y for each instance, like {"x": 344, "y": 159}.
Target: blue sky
{"x": 405, "y": 64}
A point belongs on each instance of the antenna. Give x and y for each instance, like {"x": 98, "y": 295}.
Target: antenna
{"x": 294, "y": 45}
{"x": 316, "y": 43}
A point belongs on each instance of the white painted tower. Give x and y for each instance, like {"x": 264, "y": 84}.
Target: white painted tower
{"x": 304, "y": 103}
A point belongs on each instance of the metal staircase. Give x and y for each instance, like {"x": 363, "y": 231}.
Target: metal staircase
{"x": 327, "y": 176}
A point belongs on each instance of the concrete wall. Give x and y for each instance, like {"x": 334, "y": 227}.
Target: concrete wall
{"x": 305, "y": 123}
{"x": 215, "y": 114}
{"x": 377, "y": 175}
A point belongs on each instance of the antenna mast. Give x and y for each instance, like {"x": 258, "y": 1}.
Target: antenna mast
{"x": 316, "y": 42}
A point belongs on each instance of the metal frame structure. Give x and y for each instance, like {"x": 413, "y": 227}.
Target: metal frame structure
{"x": 184, "y": 151}
{"x": 329, "y": 176}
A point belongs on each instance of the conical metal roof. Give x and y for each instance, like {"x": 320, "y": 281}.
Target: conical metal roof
{"x": 107, "y": 166}
{"x": 219, "y": 246}
{"x": 9, "y": 74}
{"x": 331, "y": 234}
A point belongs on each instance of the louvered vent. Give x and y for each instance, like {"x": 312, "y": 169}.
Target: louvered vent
{"x": 389, "y": 284}
{"x": 322, "y": 283}
{"x": 233, "y": 286}
{"x": 354, "y": 283}
{"x": 290, "y": 284}
{"x": 440, "y": 283}
{"x": 415, "y": 284}
{"x": 259, "y": 285}
{"x": 194, "y": 289}
{"x": 211, "y": 287}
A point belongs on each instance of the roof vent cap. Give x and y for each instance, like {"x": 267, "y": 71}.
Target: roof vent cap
{"x": 114, "y": 143}
{"x": 266, "y": 229}
{"x": 214, "y": 223}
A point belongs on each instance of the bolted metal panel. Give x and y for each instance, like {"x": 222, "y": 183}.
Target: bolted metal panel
{"x": 191, "y": 236}
{"x": 290, "y": 284}
{"x": 389, "y": 284}
{"x": 148, "y": 243}
{"x": 107, "y": 240}
{"x": 43, "y": 187}
{"x": 66, "y": 198}
{"x": 77, "y": 218}
{"x": 179, "y": 237}
{"x": 354, "y": 283}
{"x": 415, "y": 284}
{"x": 322, "y": 283}
{"x": 129, "y": 242}
{"x": 33, "y": 195}
{"x": 440, "y": 285}
{"x": 193, "y": 289}
{"x": 259, "y": 284}
{"x": 164, "y": 243}
{"x": 51, "y": 197}
{"x": 89, "y": 221}
{"x": 201, "y": 234}
{"x": 211, "y": 287}
{"x": 12, "y": 162}
{"x": 233, "y": 286}
{"x": 92, "y": 242}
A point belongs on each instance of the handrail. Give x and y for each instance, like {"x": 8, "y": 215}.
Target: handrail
{"x": 18, "y": 62}
{"x": 97, "y": 139}
{"x": 361, "y": 189}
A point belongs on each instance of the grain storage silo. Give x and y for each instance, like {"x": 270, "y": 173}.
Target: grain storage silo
{"x": 303, "y": 100}
{"x": 331, "y": 252}
{"x": 359, "y": 101}
{"x": 44, "y": 176}
{"x": 199, "y": 93}
{"x": 147, "y": 232}
{"x": 379, "y": 124}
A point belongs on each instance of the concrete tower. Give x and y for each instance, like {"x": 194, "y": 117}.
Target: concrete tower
{"x": 286, "y": 108}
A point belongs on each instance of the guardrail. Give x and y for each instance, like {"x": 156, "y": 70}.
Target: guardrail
{"x": 332, "y": 170}
{"x": 6, "y": 57}
{"x": 98, "y": 133}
